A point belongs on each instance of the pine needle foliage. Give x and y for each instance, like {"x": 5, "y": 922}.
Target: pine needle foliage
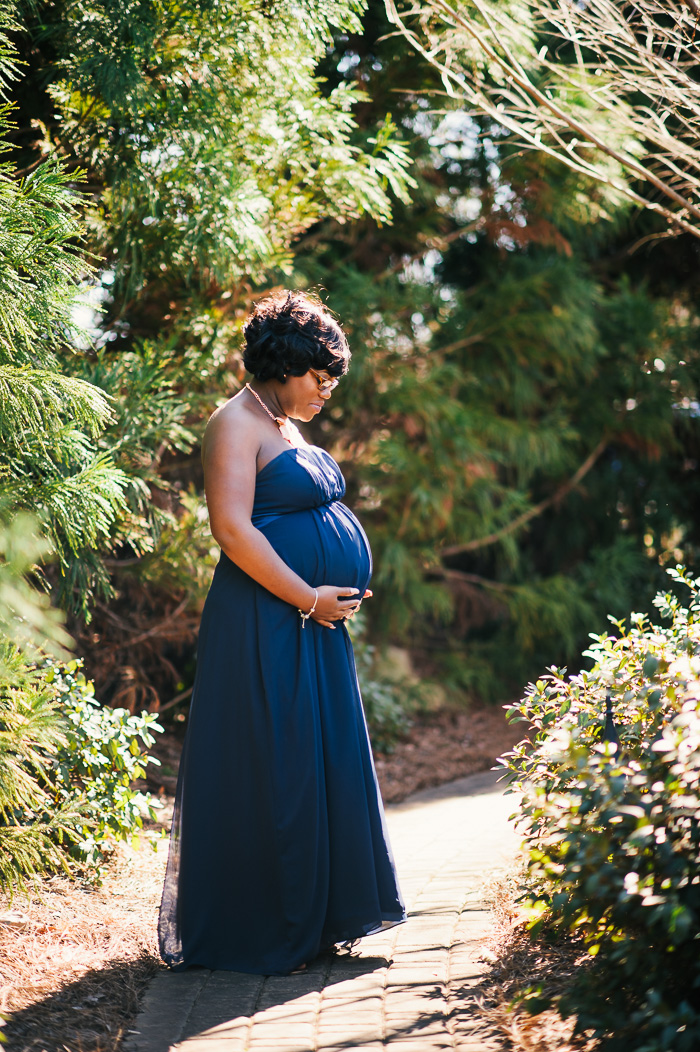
{"x": 38, "y": 402}
{"x": 40, "y": 265}
{"x": 209, "y": 132}
{"x": 50, "y": 421}
{"x": 27, "y": 620}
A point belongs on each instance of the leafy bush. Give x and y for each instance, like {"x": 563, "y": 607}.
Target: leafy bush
{"x": 66, "y": 771}
{"x": 612, "y": 832}
{"x": 34, "y": 826}
{"x": 102, "y": 754}
{"x": 388, "y": 701}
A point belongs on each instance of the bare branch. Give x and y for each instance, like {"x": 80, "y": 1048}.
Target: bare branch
{"x": 623, "y": 110}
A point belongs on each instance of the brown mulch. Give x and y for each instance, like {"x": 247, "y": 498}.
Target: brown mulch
{"x": 521, "y": 966}
{"x": 72, "y": 975}
{"x": 445, "y": 745}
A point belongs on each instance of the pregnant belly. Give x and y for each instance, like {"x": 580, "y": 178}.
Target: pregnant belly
{"x": 325, "y": 545}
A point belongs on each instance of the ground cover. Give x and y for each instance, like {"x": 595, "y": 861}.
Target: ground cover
{"x": 72, "y": 972}
{"x": 526, "y": 974}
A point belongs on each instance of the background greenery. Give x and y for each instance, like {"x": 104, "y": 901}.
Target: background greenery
{"x": 519, "y": 430}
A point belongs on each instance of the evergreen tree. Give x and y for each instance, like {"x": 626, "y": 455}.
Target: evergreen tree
{"x": 208, "y": 146}
{"x": 49, "y": 419}
{"x": 518, "y": 429}
{"x": 49, "y": 463}
{"x": 515, "y": 425}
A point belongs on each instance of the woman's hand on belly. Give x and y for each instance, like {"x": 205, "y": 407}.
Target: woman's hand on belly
{"x": 332, "y": 607}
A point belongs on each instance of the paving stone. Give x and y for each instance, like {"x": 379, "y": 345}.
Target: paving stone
{"x": 361, "y": 986}
{"x": 420, "y": 955}
{"x": 427, "y": 1025}
{"x": 292, "y": 1012}
{"x": 409, "y": 984}
{"x": 234, "y": 1034}
{"x": 273, "y": 1046}
{"x": 289, "y": 988}
{"x": 369, "y": 1026}
{"x": 339, "y": 1016}
{"x": 341, "y": 1046}
{"x": 419, "y": 1043}
{"x": 351, "y": 1037}
{"x": 225, "y": 998}
{"x": 398, "y": 1018}
{"x": 348, "y": 1009}
{"x": 165, "y": 1010}
{"x": 428, "y": 997}
{"x": 428, "y": 975}
{"x": 205, "y": 1044}
{"x": 271, "y": 1028}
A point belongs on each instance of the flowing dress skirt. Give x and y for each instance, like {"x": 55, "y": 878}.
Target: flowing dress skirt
{"x": 278, "y": 847}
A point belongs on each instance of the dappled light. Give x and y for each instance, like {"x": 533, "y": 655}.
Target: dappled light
{"x": 431, "y": 273}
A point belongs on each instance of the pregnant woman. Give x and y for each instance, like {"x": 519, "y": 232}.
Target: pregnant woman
{"x": 278, "y": 848}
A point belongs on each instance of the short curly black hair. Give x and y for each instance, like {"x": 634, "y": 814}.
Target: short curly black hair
{"x": 291, "y": 332}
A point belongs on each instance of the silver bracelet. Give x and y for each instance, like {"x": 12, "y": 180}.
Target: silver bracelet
{"x": 305, "y": 617}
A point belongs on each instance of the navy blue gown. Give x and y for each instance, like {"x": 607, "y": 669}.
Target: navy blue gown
{"x": 278, "y": 847}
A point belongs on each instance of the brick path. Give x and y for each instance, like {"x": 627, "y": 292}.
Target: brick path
{"x": 407, "y": 989}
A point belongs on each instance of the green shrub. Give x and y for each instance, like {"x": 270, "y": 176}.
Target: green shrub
{"x": 388, "y": 702}
{"x": 102, "y": 754}
{"x": 66, "y": 771}
{"x": 35, "y": 827}
{"x": 613, "y": 834}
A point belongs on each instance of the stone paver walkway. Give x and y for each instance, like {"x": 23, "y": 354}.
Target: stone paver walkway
{"x": 406, "y": 989}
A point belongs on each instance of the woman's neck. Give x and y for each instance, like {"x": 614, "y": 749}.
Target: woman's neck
{"x": 270, "y": 398}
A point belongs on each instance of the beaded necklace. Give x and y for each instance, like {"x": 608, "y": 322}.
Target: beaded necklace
{"x": 269, "y": 413}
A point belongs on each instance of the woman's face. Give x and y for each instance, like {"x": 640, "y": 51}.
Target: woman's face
{"x": 301, "y": 397}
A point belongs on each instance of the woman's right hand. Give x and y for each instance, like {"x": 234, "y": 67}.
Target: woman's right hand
{"x": 330, "y": 607}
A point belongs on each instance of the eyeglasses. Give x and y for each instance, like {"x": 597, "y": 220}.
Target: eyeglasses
{"x": 324, "y": 382}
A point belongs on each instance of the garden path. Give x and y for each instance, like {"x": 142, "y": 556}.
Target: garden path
{"x": 410, "y": 989}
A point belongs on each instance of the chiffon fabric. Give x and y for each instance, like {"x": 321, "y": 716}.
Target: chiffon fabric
{"x": 278, "y": 847}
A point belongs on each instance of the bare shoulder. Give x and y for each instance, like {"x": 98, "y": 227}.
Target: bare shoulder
{"x": 232, "y": 427}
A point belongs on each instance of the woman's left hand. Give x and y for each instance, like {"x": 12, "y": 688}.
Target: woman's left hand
{"x": 336, "y": 604}
{"x": 368, "y": 595}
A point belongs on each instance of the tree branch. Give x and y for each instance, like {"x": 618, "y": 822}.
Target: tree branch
{"x": 154, "y": 631}
{"x": 175, "y": 701}
{"x": 540, "y": 119}
{"x": 513, "y": 68}
{"x": 532, "y": 513}
{"x": 449, "y": 574}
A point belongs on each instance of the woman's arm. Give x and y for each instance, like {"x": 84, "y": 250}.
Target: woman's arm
{"x": 230, "y": 451}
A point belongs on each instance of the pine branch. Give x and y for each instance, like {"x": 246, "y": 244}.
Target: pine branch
{"x": 40, "y": 401}
{"x": 531, "y": 513}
